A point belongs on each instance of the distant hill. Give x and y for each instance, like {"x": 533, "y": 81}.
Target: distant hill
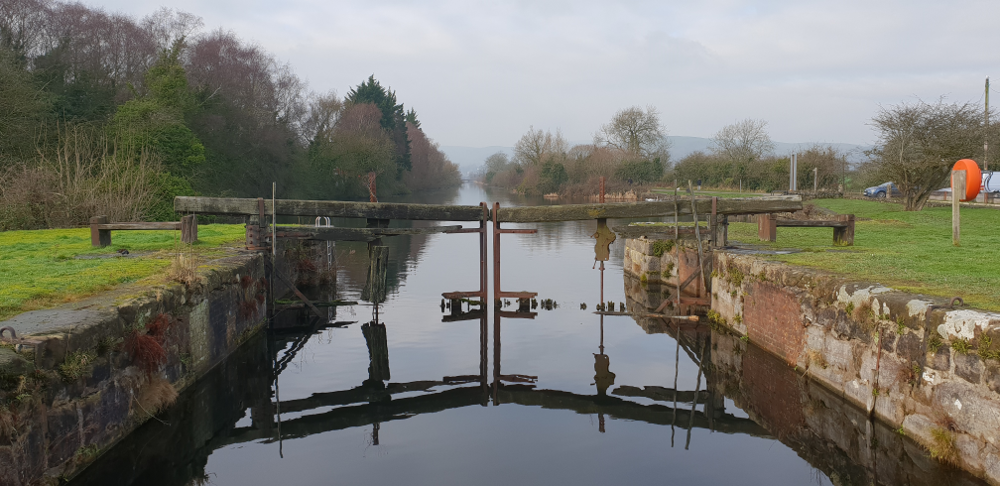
{"x": 471, "y": 158}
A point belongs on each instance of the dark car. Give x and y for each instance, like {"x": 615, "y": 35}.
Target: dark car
{"x": 882, "y": 191}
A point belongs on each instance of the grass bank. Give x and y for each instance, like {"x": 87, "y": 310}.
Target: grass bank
{"x": 910, "y": 251}
{"x": 43, "y": 268}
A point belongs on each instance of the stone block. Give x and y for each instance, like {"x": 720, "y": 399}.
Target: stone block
{"x": 969, "y": 449}
{"x": 969, "y": 367}
{"x": 919, "y": 427}
{"x": 975, "y": 413}
{"x": 992, "y": 379}
{"x": 941, "y": 360}
{"x": 13, "y": 364}
{"x": 910, "y": 347}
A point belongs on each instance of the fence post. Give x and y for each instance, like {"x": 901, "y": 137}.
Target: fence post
{"x": 957, "y": 192}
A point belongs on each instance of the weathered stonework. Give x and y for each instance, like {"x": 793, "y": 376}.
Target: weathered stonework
{"x": 679, "y": 262}
{"x": 54, "y": 422}
{"x": 912, "y": 361}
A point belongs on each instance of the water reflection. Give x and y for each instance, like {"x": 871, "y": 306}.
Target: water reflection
{"x": 323, "y": 403}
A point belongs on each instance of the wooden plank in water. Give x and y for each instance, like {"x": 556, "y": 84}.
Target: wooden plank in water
{"x": 335, "y": 209}
{"x": 357, "y": 234}
{"x": 652, "y": 209}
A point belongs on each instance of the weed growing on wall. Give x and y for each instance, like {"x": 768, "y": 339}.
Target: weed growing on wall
{"x": 662, "y": 246}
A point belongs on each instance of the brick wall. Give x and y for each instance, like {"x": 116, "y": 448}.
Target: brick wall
{"x": 774, "y": 321}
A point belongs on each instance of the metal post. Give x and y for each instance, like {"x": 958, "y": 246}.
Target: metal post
{"x": 496, "y": 259}
{"x": 602, "y": 189}
{"x": 958, "y": 183}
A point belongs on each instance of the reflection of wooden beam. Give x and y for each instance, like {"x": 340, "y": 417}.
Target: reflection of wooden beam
{"x": 356, "y": 234}
{"x": 576, "y": 212}
{"x": 335, "y": 209}
{"x": 660, "y": 394}
{"x": 383, "y": 411}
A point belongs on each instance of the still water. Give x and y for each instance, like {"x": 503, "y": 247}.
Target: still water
{"x": 565, "y": 397}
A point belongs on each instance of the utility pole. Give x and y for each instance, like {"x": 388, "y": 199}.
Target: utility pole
{"x": 986, "y": 134}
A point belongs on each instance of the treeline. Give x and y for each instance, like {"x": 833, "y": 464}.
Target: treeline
{"x": 102, "y": 113}
{"x": 632, "y": 150}
{"x": 768, "y": 173}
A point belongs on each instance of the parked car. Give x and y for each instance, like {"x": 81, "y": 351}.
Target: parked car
{"x": 991, "y": 182}
{"x": 882, "y": 191}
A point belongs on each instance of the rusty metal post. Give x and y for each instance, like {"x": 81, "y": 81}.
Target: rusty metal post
{"x": 483, "y": 279}
{"x": 496, "y": 259}
{"x": 602, "y": 189}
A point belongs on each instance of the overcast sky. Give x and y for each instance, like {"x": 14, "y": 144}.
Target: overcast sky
{"x": 480, "y": 73}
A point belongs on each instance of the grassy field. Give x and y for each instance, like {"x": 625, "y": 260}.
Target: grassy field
{"x": 910, "y": 251}
{"x": 42, "y": 268}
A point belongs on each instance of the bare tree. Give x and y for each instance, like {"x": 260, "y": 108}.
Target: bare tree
{"x": 537, "y": 146}
{"x": 742, "y": 143}
{"x": 167, "y": 26}
{"x": 919, "y": 142}
{"x": 635, "y": 131}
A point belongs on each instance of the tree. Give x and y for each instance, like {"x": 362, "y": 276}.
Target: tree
{"x": 431, "y": 168}
{"x": 742, "y": 143}
{"x": 356, "y": 146}
{"x": 919, "y": 142}
{"x": 393, "y": 119}
{"x": 23, "y": 107}
{"x": 537, "y": 146}
{"x": 636, "y": 132}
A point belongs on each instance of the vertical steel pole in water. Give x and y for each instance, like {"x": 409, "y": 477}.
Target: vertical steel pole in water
{"x": 496, "y": 254}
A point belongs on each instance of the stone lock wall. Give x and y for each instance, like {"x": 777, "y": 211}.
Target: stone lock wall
{"x": 927, "y": 369}
{"x": 678, "y": 262}
{"x": 75, "y": 391}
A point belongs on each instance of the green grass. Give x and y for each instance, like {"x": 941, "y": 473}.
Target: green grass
{"x": 910, "y": 251}
{"x": 38, "y": 269}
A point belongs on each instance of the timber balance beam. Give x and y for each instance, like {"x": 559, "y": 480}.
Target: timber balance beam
{"x": 524, "y": 214}
{"x": 100, "y": 229}
{"x": 843, "y": 227}
{"x": 650, "y": 209}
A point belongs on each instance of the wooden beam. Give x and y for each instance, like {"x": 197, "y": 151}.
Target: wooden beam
{"x": 140, "y": 226}
{"x": 653, "y": 209}
{"x": 356, "y": 234}
{"x": 335, "y": 209}
{"x": 798, "y": 223}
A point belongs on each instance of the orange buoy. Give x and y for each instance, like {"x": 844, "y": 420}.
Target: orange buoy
{"x": 973, "y": 178}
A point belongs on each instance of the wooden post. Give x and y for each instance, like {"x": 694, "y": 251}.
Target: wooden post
{"x": 378, "y": 265}
{"x": 844, "y": 235}
{"x": 378, "y": 352}
{"x": 189, "y": 228}
{"x": 697, "y": 237}
{"x": 767, "y": 227}
{"x": 602, "y": 189}
{"x": 99, "y": 237}
{"x": 713, "y": 223}
{"x": 957, "y": 193}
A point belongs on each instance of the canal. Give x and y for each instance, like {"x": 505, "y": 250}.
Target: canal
{"x": 569, "y": 397}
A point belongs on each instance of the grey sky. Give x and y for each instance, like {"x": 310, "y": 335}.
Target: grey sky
{"x": 479, "y": 73}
